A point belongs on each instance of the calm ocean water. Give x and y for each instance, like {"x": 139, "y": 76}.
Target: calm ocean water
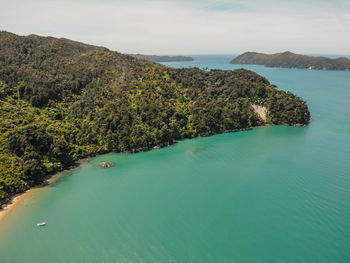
{"x": 274, "y": 194}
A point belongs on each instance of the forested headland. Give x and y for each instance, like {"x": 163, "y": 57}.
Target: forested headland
{"x": 290, "y": 60}
{"x": 62, "y": 100}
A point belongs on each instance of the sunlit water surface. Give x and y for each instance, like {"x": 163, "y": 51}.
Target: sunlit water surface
{"x": 274, "y": 194}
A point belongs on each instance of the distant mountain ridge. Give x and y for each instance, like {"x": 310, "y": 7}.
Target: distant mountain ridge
{"x": 155, "y": 58}
{"x": 290, "y": 60}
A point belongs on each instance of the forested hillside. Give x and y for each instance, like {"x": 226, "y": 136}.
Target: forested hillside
{"x": 62, "y": 100}
{"x": 291, "y": 60}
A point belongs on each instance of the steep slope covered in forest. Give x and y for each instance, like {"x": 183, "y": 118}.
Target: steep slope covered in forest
{"x": 62, "y": 100}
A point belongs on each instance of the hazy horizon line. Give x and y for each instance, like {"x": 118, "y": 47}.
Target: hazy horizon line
{"x": 329, "y": 55}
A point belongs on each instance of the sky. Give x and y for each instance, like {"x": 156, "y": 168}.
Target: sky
{"x": 188, "y": 26}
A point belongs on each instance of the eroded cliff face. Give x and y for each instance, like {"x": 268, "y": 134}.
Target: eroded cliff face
{"x": 261, "y": 111}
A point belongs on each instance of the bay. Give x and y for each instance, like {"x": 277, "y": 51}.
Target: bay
{"x": 271, "y": 194}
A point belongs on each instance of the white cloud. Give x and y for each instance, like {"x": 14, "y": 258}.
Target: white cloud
{"x": 164, "y": 27}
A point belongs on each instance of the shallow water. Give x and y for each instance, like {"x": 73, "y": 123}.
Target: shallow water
{"x": 273, "y": 194}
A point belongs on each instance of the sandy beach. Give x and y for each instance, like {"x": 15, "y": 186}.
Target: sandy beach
{"x": 23, "y": 198}
{"x": 17, "y": 201}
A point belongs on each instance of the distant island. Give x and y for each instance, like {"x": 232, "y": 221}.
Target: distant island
{"x": 155, "y": 58}
{"x": 62, "y": 100}
{"x": 290, "y": 60}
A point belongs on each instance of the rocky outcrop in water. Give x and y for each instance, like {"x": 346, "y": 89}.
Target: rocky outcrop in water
{"x": 107, "y": 164}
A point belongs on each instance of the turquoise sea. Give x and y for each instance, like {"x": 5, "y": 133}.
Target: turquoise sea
{"x": 273, "y": 194}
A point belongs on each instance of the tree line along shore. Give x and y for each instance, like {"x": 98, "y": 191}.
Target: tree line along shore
{"x": 62, "y": 100}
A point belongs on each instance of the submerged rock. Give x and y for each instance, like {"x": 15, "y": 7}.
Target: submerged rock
{"x": 107, "y": 164}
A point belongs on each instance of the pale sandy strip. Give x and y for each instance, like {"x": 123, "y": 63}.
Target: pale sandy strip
{"x": 16, "y": 201}
{"x": 21, "y": 198}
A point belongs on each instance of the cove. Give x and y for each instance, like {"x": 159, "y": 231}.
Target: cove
{"x": 271, "y": 194}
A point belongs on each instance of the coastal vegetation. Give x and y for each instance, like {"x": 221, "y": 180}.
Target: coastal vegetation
{"x": 62, "y": 100}
{"x": 155, "y": 58}
{"x": 290, "y": 60}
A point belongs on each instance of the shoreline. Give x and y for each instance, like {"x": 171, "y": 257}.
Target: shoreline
{"x": 16, "y": 201}
{"x": 19, "y": 199}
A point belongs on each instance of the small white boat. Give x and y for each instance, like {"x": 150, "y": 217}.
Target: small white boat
{"x": 41, "y": 224}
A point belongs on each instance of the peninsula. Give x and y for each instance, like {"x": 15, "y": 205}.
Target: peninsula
{"x": 290, "y": 60}
{"x": 62, "y": 100}
{"x": 155, "y": 58}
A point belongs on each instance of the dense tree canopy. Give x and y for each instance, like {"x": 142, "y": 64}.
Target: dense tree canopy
{"x": 62, "y": 100}
{"x": 290, "y": 60}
